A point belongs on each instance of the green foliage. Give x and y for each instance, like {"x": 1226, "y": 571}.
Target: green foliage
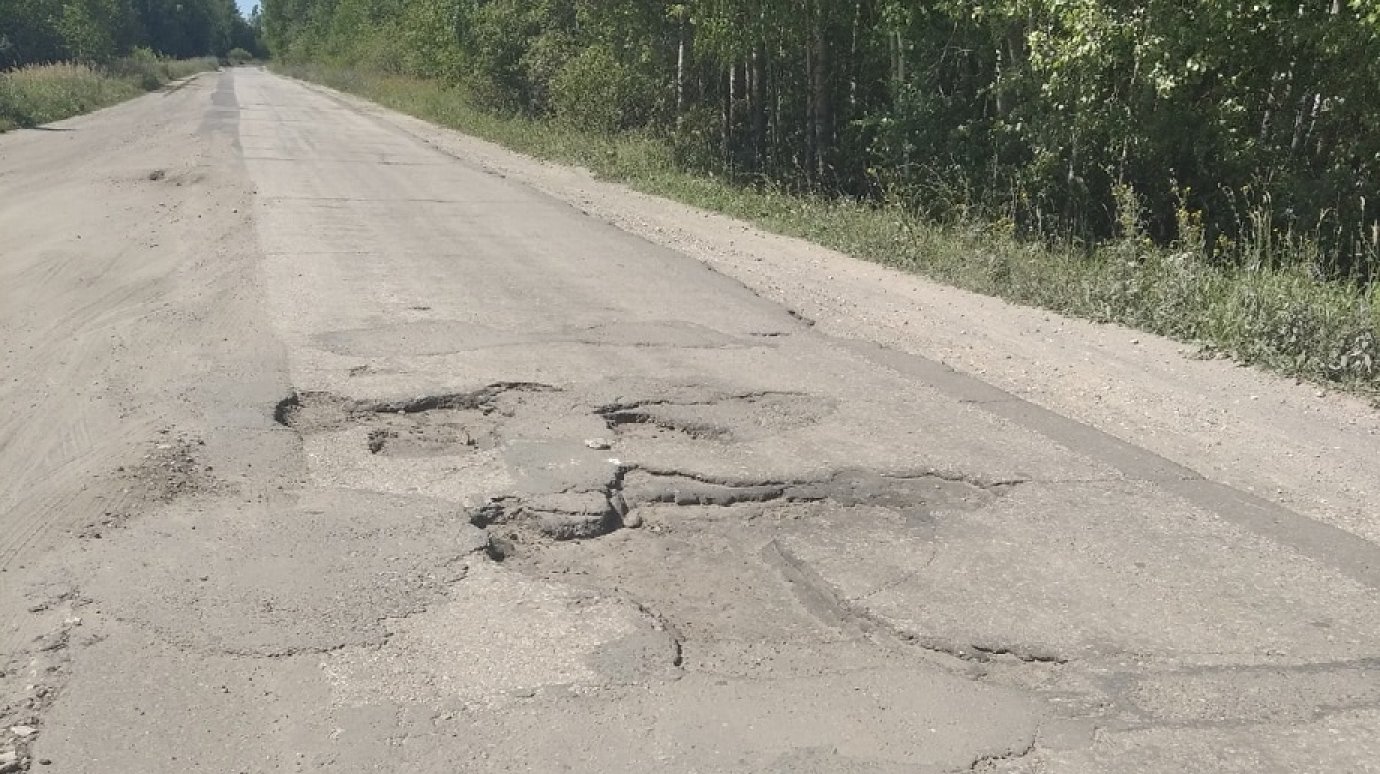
{"x": 141, "y": 66}
{"x": 593, "y": 90}
{"x": 1035, "y": 112}
{"x": 238, "y": 56}
{"x": 98, "y": 32}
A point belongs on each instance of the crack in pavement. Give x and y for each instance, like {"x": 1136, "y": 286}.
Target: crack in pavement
{"x": 991, "y": 763}
{"x": 819, "y": 597}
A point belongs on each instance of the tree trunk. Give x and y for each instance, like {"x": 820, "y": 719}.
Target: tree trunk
{"x": 680, "y": 74}
{"x": 854, "y": 60}
{"x": 758, "y": 96}
{"x": 811, "y": 109}
{"x": 731, "y": 116}
{"x": 822, "y": 110}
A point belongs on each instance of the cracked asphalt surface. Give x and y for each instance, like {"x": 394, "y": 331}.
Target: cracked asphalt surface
{"x": 330, "y": 447}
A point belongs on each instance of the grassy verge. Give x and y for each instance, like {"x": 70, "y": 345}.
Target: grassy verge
{"x": 1279, "y": 318}
{"x": 39, "y": 94}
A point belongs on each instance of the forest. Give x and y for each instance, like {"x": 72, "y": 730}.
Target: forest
{"x": 1212, "y": 124}
{"x": 98, "y": 32}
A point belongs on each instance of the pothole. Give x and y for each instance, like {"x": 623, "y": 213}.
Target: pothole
{"x": 445, "y": 425}
{"x": 317, "y": 412}
{"x": 845, "y": 489}
{"x": 651, "y": 425}
{"x": 433, "y": 434}
{"x": 579, "y": 515}
{"x": 718, "y": 418}
{"x": 710, "y": 557}
{"x": 701, "y": 552}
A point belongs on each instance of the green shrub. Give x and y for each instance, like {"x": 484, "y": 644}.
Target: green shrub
{"x": 595, "y": 91}
{"x": 238, "y": 56}
{"x": 142, "y": 66}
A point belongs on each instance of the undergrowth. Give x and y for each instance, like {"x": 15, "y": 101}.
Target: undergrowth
{"x": 39, "y": 94}
{"x": 1276, "y": 314}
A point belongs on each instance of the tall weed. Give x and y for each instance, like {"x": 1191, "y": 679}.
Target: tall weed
{"x": 39, "y": 94}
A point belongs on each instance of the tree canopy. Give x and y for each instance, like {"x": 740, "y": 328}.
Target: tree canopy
{"x": 97, "y": 31}
{"x": 1214, "y": 117}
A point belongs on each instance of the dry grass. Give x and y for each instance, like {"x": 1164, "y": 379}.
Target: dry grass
{"x": 40, "y": 94}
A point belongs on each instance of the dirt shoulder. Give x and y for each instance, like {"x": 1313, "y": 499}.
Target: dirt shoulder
{"x": 136, "y": 361}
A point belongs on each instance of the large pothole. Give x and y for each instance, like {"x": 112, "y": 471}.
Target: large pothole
{"x": 565, "y": 489}
{"x": 627, "y": 497}
{"x": 314, "y": 412}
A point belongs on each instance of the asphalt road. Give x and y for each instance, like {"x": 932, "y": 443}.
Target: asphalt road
{"x": 330, "y": 445}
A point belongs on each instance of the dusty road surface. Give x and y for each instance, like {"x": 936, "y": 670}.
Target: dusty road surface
{"x": 332, "y": 441}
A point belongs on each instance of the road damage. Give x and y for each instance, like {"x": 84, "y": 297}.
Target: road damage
{"x": 417, "y": 468}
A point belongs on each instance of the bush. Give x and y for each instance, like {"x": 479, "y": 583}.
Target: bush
{"x": 143, "y": 66}
{"x": 595, "y": 91}
{"x": 238, "y": 56}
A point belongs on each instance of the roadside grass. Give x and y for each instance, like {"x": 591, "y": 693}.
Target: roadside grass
{"x": 1274, "y": 314}
{"x": 39, "y": 94}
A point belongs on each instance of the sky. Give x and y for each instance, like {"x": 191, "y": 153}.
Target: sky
{"x": 246, "y": 6}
